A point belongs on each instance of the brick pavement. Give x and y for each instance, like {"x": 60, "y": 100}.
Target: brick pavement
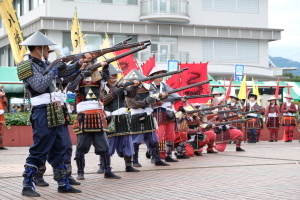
{"x": 264, "y": 171}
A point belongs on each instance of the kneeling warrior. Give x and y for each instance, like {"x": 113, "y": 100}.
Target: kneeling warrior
{"x": 198, "y": 137}
{"x": 120, "y": 139}
{"x": 90, "y": 123}
{"x": 142, "y": 122}
{"x": 226, "y": 132}
{"x": 46, "y": 117}
{"x": 272, "y": 119}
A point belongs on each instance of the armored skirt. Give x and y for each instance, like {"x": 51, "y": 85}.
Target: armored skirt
{"x": 288, "y": 121}
{"x": 273, "y": 122}
{"x": 90, "y": 121}
{"x": 142, "y": 123}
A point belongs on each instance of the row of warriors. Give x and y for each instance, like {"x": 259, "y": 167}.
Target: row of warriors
{"x": 103, "y": 119}
{"x": 115, "y": 117}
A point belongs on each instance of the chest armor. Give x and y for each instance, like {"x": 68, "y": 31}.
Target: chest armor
{"x": 117, "y": 103}
{"x": 89, "y": 91}
{"x": 142, "y": 94}
{"x": 272, "y": 109}
{"x": 232, "y": 107}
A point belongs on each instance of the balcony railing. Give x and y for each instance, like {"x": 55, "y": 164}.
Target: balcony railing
{"x": 164, "y": 57}
{"x": 165, "y": 10}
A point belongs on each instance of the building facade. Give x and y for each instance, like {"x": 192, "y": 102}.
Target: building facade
{"x": 222, "y": 32}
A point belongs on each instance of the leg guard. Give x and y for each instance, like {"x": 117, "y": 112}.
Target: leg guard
{"x": 105, "y": 162}
{"x": 181, "y": 148}
{"x": 136, "y": 155}
{"x": 40, "y": 172}
{"x": 69, "y": 169}
{"x": 127, "y": 160}
{"x": 80, "y": 162}
{"x": 169, "y": 148}
{"x": 238, "y": 141}
{"x": 28, "y": 186}
{"x": 28, "y": 174}
{"x": 154, "y": 151}
{"x": 101, "y": 169}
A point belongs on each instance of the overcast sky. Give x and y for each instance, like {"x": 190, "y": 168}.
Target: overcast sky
{"x": 285, "y": 14}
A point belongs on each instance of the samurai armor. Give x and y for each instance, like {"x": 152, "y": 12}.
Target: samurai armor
{"x": 253, "y": 123}
{"x": 24, "y": 69}
{"x": 200, "y": 141}
{"x": 273, "y": 123}
{"x": 162, "y": 149}
{"x": 146, "y": 126}
{"x": 55, "y": 115}
{"x": 224, "y": 136}
{"x": 122, "y": 123}
{"x": 161, "y": 116}
{"x": 182, "y": 126}
{"x": 90, "y": 121}
{"x": 288, "y": 121}
{"x": 90, "y": 91}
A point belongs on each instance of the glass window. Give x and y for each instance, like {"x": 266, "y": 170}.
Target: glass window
{"x": 132, "y": 2}
{"x": 11, "y": 61}
{"x": 19, "y": 7}
{"x": 119, "y": 1}
{"x": 230, "y": 50}
{"x": 94, "y": 1}
{"x": 35, "y": 3}
{"x": 2, "y": 57}
{"x": 245, "y": 6}
{"x": 107, "y": 1}
{"x": 0, "y": 22}
{"x": 93, "y": 41}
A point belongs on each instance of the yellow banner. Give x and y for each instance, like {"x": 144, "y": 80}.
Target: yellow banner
{"x": 243, "y": 89}
{"x": 12, "y": 27}
{"x": 78, "y": 42}
{"x": 106, "y": 44}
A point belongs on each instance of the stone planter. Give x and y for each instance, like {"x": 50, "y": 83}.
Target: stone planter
{"x": 21, "y": 136}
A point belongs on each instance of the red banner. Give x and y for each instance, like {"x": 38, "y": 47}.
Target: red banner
{"x": 127, "y": 63}
{"x": 148, "y": 66}
{"x": 197, "y": 72}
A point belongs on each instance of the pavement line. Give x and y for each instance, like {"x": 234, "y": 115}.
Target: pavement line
{"x": 256, "y": 157}
{"x": 165, "y": 169}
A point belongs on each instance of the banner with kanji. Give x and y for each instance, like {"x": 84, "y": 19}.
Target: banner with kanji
{"x": 78, "y": 43}
{"x": 197, "y": 72}
{"x": 12, "y": 27}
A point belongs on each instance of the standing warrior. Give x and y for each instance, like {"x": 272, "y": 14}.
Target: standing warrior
{"x": 3, "y": 104}
{"x": 46, "y": 118}
{"x": 235, "y": 104}
{"x": 119, "y": 140}
{"x": 61, "y": 93}
{"x": 288, "y": 111}
{"x": 253, "y": 124}
{"x": 90, "y": 123}
{"x": 142, "y": 121}
{"x": 272, "y": 119}
{"x": 164, "y": 114}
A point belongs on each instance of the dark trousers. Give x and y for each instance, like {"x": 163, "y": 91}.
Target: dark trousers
{"x": 48, "y": 143}
{"x": 85, "y": 140}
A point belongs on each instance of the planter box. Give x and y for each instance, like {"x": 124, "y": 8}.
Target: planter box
{"x": 21, "y": 136}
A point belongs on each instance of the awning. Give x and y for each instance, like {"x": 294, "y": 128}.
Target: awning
{"x": 10, "y": 81}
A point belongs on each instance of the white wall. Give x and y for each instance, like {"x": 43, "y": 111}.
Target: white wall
{"x": 88, "y": 10}
{"x": 217, "y": 18}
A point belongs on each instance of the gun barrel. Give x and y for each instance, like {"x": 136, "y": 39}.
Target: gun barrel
{"x": 95, "y": 54}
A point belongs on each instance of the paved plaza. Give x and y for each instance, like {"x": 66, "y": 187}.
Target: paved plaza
{"x": 265, "y": 171}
